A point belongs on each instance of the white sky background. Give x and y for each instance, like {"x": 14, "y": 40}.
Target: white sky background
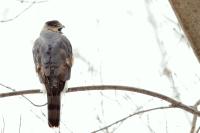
{"x": 119, "y": 39}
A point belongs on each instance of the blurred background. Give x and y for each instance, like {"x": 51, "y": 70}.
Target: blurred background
{"x": 118, "y": 42}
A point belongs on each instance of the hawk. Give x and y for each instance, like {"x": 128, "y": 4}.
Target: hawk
{"x": 53, "y": 58}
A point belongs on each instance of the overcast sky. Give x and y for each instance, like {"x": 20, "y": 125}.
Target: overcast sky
{"x": 120, "y": 42}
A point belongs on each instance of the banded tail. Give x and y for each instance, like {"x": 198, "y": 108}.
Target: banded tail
{"x": 54, "y": 90}
{"x": 54, "y": 102}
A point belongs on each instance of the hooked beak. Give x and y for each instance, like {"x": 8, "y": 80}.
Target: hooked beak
{"x": 61, "y": 27}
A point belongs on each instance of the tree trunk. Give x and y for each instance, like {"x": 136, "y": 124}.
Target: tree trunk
{"x": 188, "y": 14}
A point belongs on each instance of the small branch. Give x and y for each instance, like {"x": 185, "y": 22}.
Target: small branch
{"x": 173, "y": 102}
{"x": 26, "y": 1}
{"x": 149, "y": 126}
{"x": 19, "y": 14}
{"x": 16, "y": 93}
{"x": 20, "y": 123}
{"x": 37, "y": 105}
{"x": 125, "y": 118}
{"x": 198, "y": 130}
{"x": 3, "y": 130}
{"x": 90, "y": 66}
{"x": 23, "y": 96}
{"x": 194, "y": 121}
{"x": 7, "y": 87}
{"x": 23, "y": 11}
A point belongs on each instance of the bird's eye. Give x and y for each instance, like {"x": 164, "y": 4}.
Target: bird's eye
{"x": 59, "y": 29}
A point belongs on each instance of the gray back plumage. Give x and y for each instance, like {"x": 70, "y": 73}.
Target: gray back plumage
{"x": 52, "y": 54}
{"x": 52, "y": 49}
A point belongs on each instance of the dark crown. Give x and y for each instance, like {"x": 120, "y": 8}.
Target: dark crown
{"x": 53, "y": 23}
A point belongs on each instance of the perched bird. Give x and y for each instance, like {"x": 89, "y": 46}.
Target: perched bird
{"x": 53, "y": 58}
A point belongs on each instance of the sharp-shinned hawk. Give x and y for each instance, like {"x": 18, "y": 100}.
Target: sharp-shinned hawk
{"x": 53, "y": 58}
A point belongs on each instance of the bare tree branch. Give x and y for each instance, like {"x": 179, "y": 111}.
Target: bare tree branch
{"x": 7, "y": 87}
{"x": 198, "y": 130}
{"x": 20, "y": 13}
{"x": 125, "y": 118}
{"x": 149, "y": 126}
{"x": 23, "y": 96}
{"x": 194, "y": 121}
{"x": 164, "y": 53}
{"x": 19, "y": 93}
{"x": 174, "y": 102}
{"x": 91, "y": 68}
{"x": 26, "y": 1}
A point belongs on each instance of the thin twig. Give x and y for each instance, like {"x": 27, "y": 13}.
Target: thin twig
{"x": 125, "y": 118}
{"x": 149, "y": 126}
{"x": 3, "y": 130}
{"x": 116, "y": 127}
{"x": 19, "y": 14}
{"x": 79, "y": 56}
{"x": 10, "y": 88}
{"x": 166, "y": 127}
{"x": 37, "y": 105}
{"x": 7, "y": 87}
{"x": 26, "y": 1}
{"x": 198, "y": 130}
{"x": 174, "y": 102}
{"x": 20, "y": 122}
{"x": 23, "y": 11}
{"x": 38, "y": 116}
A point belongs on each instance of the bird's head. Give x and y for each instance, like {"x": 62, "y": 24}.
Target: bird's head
{"x": 54, "y": 26}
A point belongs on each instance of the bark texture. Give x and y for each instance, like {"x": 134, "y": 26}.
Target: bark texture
{"x": 188, "y": 14}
